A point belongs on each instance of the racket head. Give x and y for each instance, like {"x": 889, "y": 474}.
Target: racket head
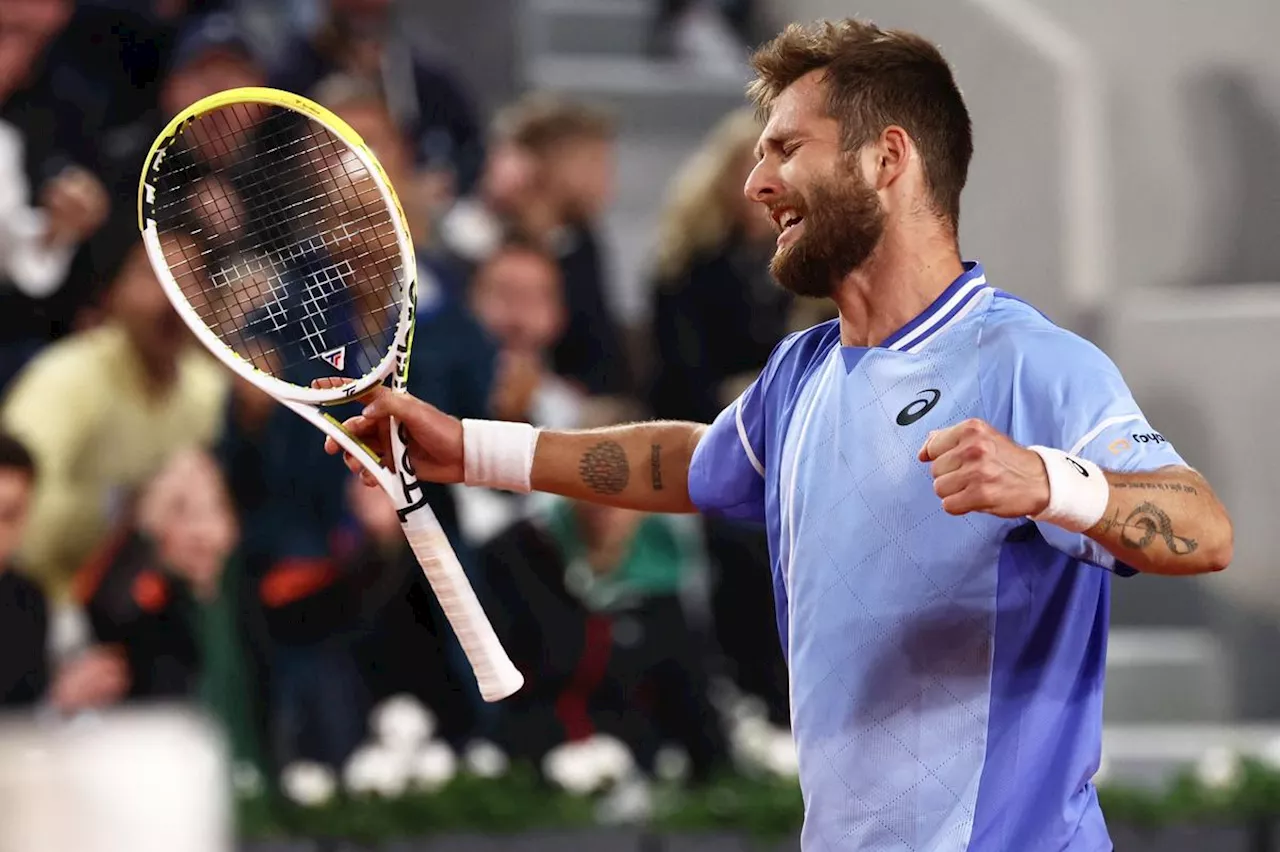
{"x": 326, "y": 240}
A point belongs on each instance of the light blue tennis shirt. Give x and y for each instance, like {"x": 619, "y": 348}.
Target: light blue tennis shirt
{"x": 946, "y": 672}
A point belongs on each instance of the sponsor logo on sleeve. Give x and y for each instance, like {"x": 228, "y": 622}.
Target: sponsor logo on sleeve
{"x": 1120, "y": 445}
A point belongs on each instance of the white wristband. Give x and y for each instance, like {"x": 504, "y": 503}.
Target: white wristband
{"x": 497, "y": 454}
{"x": 1078, "y": 490}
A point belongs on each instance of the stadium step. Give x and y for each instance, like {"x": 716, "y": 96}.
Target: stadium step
{"x": 649, "y": 97}
{"x": 1166, "y": 675}
{"x": 591, "y": 27}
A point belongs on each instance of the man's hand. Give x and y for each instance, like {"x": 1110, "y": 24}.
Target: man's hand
{"x": 642, "y": 466}
{"x": 76, "y": 205}
{"x": 520, "y": 374}
{"x": 433, "y": 439}
{"x": 96, "y": 678}
{"x": 977, "y": 469}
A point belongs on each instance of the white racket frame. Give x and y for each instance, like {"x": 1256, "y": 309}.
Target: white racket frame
{"x": 496, "y": 675}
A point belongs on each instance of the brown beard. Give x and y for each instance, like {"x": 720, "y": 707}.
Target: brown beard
{"x": 843, "y": 223}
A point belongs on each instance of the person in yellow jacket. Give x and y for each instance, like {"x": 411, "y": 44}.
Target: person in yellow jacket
{"x": 101, "y": 411}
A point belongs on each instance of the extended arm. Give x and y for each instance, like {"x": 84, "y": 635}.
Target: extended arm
{"x": 1166, "y": 521}
{"x": 642, "y": 466}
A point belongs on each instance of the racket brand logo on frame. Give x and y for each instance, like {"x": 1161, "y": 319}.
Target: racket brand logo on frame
{"x": 336, "y": 358}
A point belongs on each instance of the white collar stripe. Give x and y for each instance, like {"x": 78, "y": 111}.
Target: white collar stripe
{"x": 925, "y": 329}
{"x": 960, "y": 314}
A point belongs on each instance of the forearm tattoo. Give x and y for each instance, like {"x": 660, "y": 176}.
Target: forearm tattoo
{"x": 655, "y": 466}
{"x": 604, "y": 468}
{"x": 1143, "y": 525}
{"x": 1177, "y": 487}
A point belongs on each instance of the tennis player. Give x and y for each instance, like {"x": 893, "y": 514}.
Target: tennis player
{"x": 948, "y": 479}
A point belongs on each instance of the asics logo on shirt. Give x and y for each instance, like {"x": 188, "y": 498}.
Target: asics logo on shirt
{"x": 918, "y": 408}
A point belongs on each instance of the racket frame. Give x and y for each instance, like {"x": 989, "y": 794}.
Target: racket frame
{"x": 497, "y": 676}
{"x": 397, "y": 356}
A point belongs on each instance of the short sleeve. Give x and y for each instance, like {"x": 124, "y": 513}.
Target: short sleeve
{"x": 1067, "y": 394}
{"x": 726, "y": 476}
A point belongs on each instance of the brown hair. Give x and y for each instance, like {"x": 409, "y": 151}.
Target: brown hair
{"x": 697, "y": 217}
{"x": 539, "y": 122}
{"x": 876, "y": 78}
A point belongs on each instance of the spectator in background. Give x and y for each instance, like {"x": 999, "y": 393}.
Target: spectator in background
{"x": 90, "y": 679}
{"x": 211, "y": 54}
{"x": 160, "y": 594}
{"x": 37, "y": 244}
{"x": 101, "y": 411}
{"x": 717, "y": 315}
{"x": 550, "y": 180}
{"x": 518, "y": 297}
{"x": 146, "y": 590}
{"x": 359, "y": 38}
{"x": 590, "y": 608}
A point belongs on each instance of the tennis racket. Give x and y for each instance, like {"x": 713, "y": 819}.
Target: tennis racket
{"x": 281, "y": 243}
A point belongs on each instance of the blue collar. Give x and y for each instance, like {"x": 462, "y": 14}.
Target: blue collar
{"x": 953, "y": 303}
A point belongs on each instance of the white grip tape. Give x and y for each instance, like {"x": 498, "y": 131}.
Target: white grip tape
{"x": 1078, "y": 490}
{"x": 497, "y": 454}
{"x": 496, "y": 675}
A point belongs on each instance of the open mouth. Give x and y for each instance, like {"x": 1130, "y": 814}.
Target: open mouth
{"x": 787, "y": 219}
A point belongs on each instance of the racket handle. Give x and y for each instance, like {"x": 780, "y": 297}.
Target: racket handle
{"x": 495, "y": 673}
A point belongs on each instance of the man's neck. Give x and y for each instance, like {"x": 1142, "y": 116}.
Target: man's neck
{"x": 158, "y": 374}
{"x": 901, "y": 278}
{"x": 540, "y": 220}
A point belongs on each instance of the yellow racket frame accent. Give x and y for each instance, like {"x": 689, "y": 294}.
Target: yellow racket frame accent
{"x": 261, "y": 95}
{"x": 327, "y": 118}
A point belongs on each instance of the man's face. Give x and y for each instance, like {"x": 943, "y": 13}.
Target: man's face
{"x": 517, "y": 298}
{"x": 379, "y": 131}
{"x": 581, "y": 172}
{"x": 139, "y": 304}
{"x": 219, "y": 137}
{"x": 185, "y": 510}
{"x": 15, "y": 499}
{"x": 828, "y": 219}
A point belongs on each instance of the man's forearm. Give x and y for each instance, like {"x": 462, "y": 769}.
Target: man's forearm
{"x": 1166, "y": 521}
{"x": 643, "y": 466}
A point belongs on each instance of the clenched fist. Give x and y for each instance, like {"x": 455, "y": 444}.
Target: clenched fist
{"x": 977, "y": 469}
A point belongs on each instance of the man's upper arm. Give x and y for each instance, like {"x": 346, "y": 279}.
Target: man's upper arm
{"x": 1067, "y": 394}
{"x": 726, "y": 474}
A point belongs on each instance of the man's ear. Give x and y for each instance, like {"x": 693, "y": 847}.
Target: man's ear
{"x": 892, "y": 155}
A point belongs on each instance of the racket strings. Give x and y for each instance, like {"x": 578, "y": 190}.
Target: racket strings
{"x": 282, "y": 242}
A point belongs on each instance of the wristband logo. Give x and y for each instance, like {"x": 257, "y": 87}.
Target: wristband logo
{"x": 1077, "y": 466}
{"x": 918, "y": 408}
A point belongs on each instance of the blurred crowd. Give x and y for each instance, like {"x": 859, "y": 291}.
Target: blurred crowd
{"x": 168, "y": 533}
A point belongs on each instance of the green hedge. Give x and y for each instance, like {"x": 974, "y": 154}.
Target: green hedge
{"x": 766, "y": 809}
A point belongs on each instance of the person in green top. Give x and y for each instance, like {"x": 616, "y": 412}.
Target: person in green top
{"x": 166, "y": 594}
{"x": 590, "y": 602}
